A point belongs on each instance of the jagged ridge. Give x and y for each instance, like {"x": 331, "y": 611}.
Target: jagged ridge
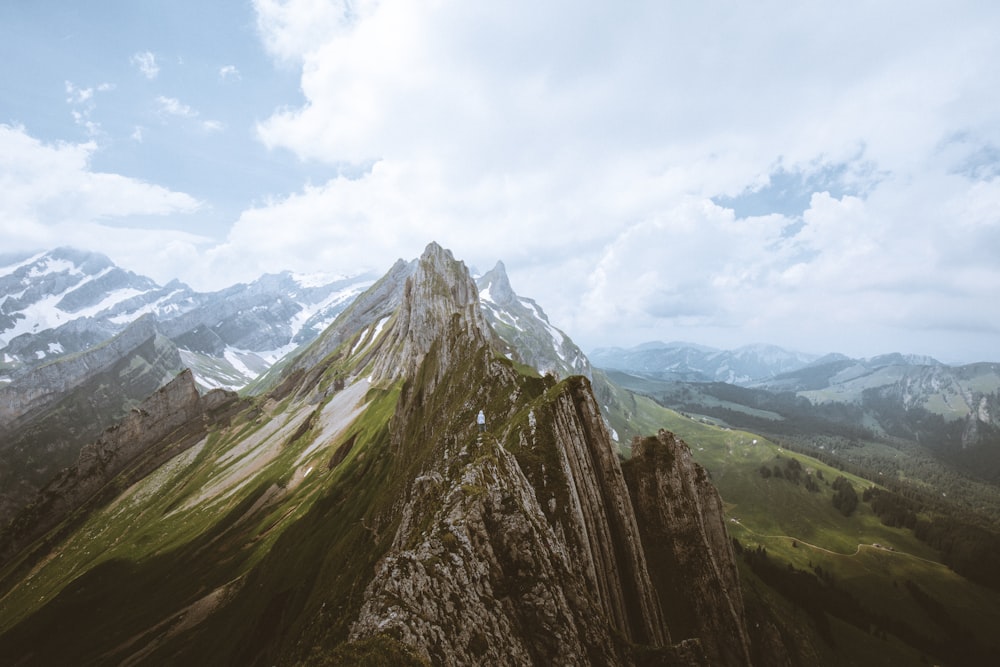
{"x": 517, "y": 546}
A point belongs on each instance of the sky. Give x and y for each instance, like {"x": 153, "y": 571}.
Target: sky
{"x": 820, "y": 176}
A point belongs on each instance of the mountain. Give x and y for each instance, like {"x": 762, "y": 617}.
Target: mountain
{"x": 689, "y": 362}
{"x": 51, "y": 411}
{"x": 523, "y": 324}
{"x": 82, "y": 342}
{"x": 66, "y": 301}
{"x": 352, "y": 511}
{"x": 911, "y": 397}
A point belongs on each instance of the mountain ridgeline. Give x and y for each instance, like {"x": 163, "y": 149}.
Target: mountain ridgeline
{"x": 352, "y": 510}
{"x": 83, "y": 342}
{"x": 949, "y": 413}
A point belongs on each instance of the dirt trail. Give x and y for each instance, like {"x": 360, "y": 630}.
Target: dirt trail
{"x": 876, "y": 546}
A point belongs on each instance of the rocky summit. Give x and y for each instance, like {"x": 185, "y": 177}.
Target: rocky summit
{"x": 352, "y": 511}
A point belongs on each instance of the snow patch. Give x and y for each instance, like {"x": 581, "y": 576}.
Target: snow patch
{"x": 310, "y": 310}
{"x": 361, "y": 339}
{"x": 316, "y": 279}
{"x": 12, "y": 268}
{"x": 53, "y": 265}
{"x": 379, "y": 327}
{"x": 233, "y": 357}
{"x": 365, "y": 339}
{"x": 155, "y": 307}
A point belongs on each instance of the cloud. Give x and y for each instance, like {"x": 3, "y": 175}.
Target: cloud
{"x": 171, "y": 106}
{"x": 145, "y": 62}
{"x": 290, "y": 29}
{"x": 609, "y": 157}
{"x": 174, "y": 107}
{"x": 83, "y": 103}
{"x": 227, "y": 72}
{"x": 53, "y": 197}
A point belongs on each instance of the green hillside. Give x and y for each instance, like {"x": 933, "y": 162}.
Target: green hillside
{"x": 859, "y": 571}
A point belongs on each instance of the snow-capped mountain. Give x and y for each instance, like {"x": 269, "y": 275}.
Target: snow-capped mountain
{"x": 523, "y": 324}
{"x": 689, "y": 362}
{"x": 66, "y": 301}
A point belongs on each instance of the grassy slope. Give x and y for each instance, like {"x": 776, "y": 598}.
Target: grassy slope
{"x": 803, "y": 529}
{"x": 159, "y": 532}
{"x": 288, "y": 551}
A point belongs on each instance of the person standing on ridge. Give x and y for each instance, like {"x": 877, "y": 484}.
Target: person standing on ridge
{"x": 481, "y": 420}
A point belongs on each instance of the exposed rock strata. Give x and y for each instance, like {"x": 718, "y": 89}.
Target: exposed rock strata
{"x": 44, "y": 385}
{"x": 519, "y": 546}
{"x": 47, "y": 415}
{"x": 683, "y": 530}
{"x": 165, "y": 424}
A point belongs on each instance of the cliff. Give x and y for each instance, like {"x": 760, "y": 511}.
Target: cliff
{"x": 172, "y": 419}
{"x": 681, "y": 521}
{"x": 520, "y": 545}
{"x": 40, "y": 387}
{"x": 49, "y": 413}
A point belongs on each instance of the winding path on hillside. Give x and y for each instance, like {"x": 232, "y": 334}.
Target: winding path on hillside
{"x": 875, "y": 546}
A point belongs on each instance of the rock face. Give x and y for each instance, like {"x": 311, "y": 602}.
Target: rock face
{"x": 681, "y": 520}
{"x": 512, "y": 570}
{"x": 522, "y": 545}
{"x": 47, "y": 415}
{"x": 165, "y": 424}
{"x": 42, "y": 386}
{"x": 440, "y": 297}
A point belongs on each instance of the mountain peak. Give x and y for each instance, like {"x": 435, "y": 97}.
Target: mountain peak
{"x": 495, "y": 286}
{"x": 439, "y": 289}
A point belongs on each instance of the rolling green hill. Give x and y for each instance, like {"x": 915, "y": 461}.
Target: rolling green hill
{"x": 876, "y": 594}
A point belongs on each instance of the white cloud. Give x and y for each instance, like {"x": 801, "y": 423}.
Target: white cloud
{"x": 83, "y": 103}
{"x": 53, "y": 197}
{"x": 292, "y": 28}
{"x": 584, "y": 144}
{"x": 145, "y": 62}
{"x": 76, "y": 95}
{"x": 174, "y": 107}
{"x": 171, "y": 106}
{"x": 227, "y": 72}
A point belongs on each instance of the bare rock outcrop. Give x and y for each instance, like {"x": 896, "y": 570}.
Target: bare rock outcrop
{"x": 440, "y": 293}
{"x": 519, "y": 546}
{"x": 172, "y": 419}
{"x": 683, "y": 530}
{"x": 40, "y": 387}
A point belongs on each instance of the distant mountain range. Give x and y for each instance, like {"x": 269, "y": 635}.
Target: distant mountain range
{"x": 950, "y": 412}
{"x": 65, "y": 301}
{"x": 690, "y": 362}
{"x": 750, "y": 365}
